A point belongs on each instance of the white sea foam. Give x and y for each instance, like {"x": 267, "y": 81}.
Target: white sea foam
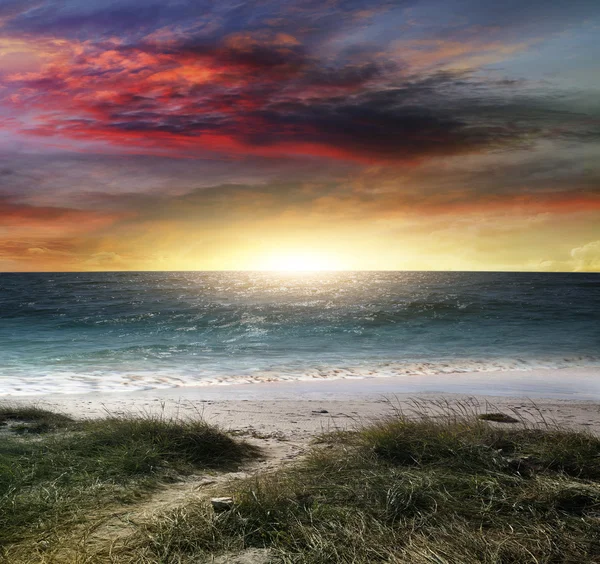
{"x": 39, "y": 382}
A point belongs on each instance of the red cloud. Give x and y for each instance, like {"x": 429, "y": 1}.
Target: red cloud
{"x": 250, "y": 94}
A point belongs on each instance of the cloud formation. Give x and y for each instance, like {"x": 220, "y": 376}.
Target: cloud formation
{"x": 587, "y": 257}
{"x": 266, "y": 90}
{"x": 124, "y": 116}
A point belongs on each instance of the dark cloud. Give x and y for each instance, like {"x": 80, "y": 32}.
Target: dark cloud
{"x": 346, "y": 76}
{"x": 446, "y": 114}
{"x": 263, "y": 53}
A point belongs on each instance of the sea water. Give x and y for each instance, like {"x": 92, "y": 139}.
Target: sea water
{"x": 86, "y": 332}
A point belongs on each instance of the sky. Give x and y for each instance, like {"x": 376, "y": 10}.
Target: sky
{"x": 304, "y": 134}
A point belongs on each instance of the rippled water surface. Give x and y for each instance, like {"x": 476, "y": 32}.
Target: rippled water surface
{"x": 116, "y": 331}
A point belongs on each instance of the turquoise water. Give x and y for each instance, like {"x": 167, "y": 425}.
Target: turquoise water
{"x": 89, "y": 332}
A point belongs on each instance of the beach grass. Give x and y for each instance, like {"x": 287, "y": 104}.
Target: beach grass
{"x": 430, "y": 490}
{"x": 57, "y": 473}
{"x": 441, "y": 486}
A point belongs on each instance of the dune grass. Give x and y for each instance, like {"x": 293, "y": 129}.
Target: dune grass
{"x": 56, "y": 472}
{"x": 31, "y": 419}
{"x": 432, "y": 490}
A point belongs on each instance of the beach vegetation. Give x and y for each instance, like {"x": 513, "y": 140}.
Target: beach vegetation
{"x": 57, "y": 473}
{"x": 427, "y": 490}
{"x": 445, "y": 487}
{"x": 30, "y": 419}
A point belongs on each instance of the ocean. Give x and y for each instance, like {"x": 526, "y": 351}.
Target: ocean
{"x": 108, "y": 332}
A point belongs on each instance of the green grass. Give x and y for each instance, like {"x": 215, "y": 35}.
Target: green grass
{"x": 453, "y": 490}
{"x": 31, "y": 419}
{"x": 56, "y": 472}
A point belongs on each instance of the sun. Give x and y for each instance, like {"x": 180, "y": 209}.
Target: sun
{"x": 298, "y": 262}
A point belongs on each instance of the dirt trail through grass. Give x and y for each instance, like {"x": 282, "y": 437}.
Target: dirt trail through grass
{"x": 109, "y": 534}
{"x": 67, "y": 483}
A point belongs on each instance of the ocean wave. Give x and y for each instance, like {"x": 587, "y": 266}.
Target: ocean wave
{"x": 37, "y": 381}
{"x": 121, "y": 331}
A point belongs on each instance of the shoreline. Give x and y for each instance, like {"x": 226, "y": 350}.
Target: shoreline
{"x": 410, "y": 376}
{"x": 298, "y": 410}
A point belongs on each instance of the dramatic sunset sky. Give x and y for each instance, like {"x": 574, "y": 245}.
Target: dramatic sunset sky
{"x": 328, "y": 134}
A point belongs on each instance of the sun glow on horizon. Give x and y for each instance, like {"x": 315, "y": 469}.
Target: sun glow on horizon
{"x": 303, "y": 261}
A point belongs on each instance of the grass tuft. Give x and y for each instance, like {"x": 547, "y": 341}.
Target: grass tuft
{"x": 31, "y": 419}
{"x": 132, "y": 445}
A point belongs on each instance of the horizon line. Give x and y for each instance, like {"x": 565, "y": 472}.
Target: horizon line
{"x": 296, "y": 272}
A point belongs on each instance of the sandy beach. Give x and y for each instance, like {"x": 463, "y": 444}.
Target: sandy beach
{"x": 284, "y": 416}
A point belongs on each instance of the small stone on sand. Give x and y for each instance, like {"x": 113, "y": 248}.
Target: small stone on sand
{"x": 221, "y": 504}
